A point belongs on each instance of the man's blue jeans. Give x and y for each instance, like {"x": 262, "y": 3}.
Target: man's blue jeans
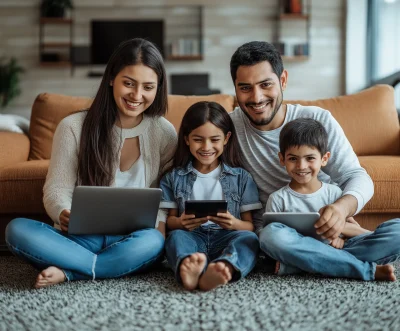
{"x": 239, "y": 248}
{"x": 83, "y": 256}
{"x": 358, "y": 258}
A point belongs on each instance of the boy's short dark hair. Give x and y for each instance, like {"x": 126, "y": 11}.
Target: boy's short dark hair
{"x": 303, "y": 132}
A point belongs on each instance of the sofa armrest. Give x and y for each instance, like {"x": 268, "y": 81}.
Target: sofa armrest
{"x": 14, "y": 148}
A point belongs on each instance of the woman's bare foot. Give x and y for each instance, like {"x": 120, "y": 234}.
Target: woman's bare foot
{"x": 49, "y": 276}
{"x": 217, "y": 274}
{"x": 191, "y": 269}
{"x": 385, "y": 272}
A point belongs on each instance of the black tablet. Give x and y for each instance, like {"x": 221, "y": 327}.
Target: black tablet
{"x": 203, "y": 208}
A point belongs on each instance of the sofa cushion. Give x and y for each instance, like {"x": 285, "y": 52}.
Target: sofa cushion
{"x": 49, "y": 109}
{"x": 22, "y": 187}
{"x": 368, "y": 118}
{"x": 178, "y": 104}
{"x": 14, "y": 148}
{"x": 385, "y": 173}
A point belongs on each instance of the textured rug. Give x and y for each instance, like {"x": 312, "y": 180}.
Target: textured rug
{"x": 153, "y": 301}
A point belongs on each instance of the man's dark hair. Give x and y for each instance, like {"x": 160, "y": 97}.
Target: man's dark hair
{"x": 303, "y": 132}
{"x": 255, "y": 52}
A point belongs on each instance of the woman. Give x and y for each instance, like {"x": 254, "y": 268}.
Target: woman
{"x": 122, "y": 140}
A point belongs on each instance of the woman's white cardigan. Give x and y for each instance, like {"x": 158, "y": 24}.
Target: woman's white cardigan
{"x": 157, "y": 140}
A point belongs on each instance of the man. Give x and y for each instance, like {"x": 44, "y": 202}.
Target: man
{"x": 260, "y": 79}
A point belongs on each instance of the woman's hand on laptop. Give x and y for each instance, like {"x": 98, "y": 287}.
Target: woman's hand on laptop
{"x": 64, "y": 219}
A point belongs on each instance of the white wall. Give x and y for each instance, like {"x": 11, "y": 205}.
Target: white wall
{"x": 226, "y": 26}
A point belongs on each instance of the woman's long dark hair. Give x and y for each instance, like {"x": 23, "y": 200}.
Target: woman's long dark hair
{"x": 97, "y": 152}
{"x": 199, "y": 114}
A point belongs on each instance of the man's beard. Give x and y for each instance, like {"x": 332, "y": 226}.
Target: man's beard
{"x": 265, "y": 121}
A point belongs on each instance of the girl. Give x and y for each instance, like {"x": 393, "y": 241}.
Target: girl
{"x": 122, "y": 140}
{"x": 209, "y": 252}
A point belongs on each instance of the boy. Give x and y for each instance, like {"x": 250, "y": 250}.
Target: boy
{"x": 303, "y": 151}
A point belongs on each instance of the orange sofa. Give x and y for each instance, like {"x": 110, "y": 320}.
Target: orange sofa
{"x": 368, "y": 118}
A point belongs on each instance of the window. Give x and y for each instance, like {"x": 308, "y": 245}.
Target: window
{"x": 383, "y": 43}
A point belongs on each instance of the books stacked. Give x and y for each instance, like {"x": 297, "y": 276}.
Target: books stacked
{"x": 184, "y": 47}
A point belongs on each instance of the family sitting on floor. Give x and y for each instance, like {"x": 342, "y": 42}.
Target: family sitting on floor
{"x": 264, "y": 156}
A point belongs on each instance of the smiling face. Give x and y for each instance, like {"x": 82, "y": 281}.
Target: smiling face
{"x": 206, "y": 144}
{"x": 303, "y": 164}
{"x": 259, "y": 94}
{"x": 134, "y": 90}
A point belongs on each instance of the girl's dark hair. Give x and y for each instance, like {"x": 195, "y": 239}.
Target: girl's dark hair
{"x": 199, "y": 114}
{"x": 97, "y": 152}
{"x": 303, "y": 132}
{"x": 255, "y": 52}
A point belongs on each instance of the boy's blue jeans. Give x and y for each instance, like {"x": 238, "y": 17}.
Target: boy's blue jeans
{"x": 83, "y": 256}
{"x": 358, "y": 258}
{"x": 239, "y": 248}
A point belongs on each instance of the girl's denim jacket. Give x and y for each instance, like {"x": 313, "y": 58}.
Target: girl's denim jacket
{"x": 238, "y": 187}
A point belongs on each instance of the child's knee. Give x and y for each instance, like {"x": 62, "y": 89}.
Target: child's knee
{"x": 272, "y": 237}
{"x": 174, "y": 237}
{"x": 391, "y": 227}
{"x": 176, "y": 234}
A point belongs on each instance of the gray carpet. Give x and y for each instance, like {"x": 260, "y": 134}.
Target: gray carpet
{"x": 153, "y": 301}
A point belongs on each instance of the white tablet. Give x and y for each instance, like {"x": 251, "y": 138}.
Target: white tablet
{"x": 302, "y": 222}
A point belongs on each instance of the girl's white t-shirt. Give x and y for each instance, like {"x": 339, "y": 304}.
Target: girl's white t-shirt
{"x": 208, "y": 187}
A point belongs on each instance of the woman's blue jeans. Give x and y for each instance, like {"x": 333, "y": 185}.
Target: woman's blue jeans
{"x": 83, "y": 256}
{"x": 358, "y": 258}
{"x": 239, "y": 248}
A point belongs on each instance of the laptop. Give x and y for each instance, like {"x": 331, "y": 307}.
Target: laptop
{"x": 113, "y": 210}
{"x": 301, "y": 222}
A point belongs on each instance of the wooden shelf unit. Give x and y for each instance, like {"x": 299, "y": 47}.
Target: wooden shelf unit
{"x": 184, "y": 58}
{"x": 55, "y": 20}
{"x": 188, "y": 49}
{"x": 293, "y": 16}
{"x": 54, "y": 48}
{"x": 293, "y": 52}
{"x": 295, "y": 58}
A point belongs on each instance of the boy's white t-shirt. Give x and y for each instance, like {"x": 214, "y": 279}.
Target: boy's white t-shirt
{"x": 287, "y": 200}
{"x": 208, "y": 187}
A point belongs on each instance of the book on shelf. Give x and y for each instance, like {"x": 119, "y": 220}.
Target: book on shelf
{"x": 292, "y": 49}
{"x": 301, "y": 49}
{"x": 184, "y": 47}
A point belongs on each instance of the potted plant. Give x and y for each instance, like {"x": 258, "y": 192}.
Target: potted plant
{"x": 55, "y": 8}
{"x": 9, "y": 81}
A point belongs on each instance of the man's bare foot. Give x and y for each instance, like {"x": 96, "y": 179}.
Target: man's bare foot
{"x": 217, "y": 274}
{"x": 191, "y": 269}
{"x": 385, "y": 272}
{"x": 49, "y": 276}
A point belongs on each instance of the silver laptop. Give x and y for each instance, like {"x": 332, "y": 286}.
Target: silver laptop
{"x": 113, "y": 210}
{"x": 301, "y": 222}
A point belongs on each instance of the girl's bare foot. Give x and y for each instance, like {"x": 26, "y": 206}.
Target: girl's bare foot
{"x": 217, "y": 274}
{"x": 50, "y": 276}
{"x": 385, "y": 272}
{"x": 191, "y": 269}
